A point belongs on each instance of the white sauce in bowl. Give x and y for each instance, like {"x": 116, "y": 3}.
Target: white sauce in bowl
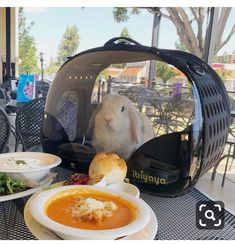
{"x": 20, "y": 163}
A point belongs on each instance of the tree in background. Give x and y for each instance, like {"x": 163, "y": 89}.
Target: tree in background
{"x": 27, "y": 46}
{"x": 222, "y": 59}
{"x": 189, "y": 22}
{"x": 69, "y": 44}
{"x": 223, "y": 73}
{"x": 125, "y": 33}
{"x": 104, "y": 74}
{"x": 121, "y": 14}
{"x": 165, "y": 71}
{"x": 52, "y": 68}
{"x": 179, "y": 45}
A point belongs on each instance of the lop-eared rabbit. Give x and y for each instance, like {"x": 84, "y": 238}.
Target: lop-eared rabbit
{"x": 118, "y": 127}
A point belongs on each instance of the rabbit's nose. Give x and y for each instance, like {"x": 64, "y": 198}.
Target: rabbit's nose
{"x": 107, "y": 118}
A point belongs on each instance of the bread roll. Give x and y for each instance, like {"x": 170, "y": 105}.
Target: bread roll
{"x": 110, "y": 165}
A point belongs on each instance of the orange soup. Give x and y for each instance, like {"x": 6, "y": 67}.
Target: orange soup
{"x": 59, "y": 210}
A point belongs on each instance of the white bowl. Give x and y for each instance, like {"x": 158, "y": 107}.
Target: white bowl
{"x": 34, "y": 172}
{"x": 126, "y": 188}
{"x": 38, "y": 208}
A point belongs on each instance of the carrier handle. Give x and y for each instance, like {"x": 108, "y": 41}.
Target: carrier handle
{"x": 126, "y": 39}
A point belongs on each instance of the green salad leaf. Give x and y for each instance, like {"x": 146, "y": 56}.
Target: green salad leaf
{"x": 9, "y": 185}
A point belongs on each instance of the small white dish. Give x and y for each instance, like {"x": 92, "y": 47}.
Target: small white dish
{"x": 9, "y": 163}
{"x": 38, "y": 204}
{"x": 126, "y": 188}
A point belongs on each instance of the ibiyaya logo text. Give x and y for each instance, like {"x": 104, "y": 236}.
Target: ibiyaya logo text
{"x": 147, "y": 178}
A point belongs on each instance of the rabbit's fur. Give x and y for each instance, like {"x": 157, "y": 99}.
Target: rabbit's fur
{"x": 118, "y": 127}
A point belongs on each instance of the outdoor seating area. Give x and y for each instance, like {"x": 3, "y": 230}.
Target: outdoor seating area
{"x": 168, "y": 114}
{"x": 127, "y": 140}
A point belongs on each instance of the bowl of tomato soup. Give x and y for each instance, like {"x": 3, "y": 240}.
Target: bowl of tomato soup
{"x": 89, "y": 212}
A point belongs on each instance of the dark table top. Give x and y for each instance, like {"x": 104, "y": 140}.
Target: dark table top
{"x": 176, "y": 216}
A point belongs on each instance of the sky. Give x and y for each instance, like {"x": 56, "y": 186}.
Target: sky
{"x": 96, "y": 26}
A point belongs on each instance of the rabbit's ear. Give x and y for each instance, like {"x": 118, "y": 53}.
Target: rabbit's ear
{"x": 135, "y": 122}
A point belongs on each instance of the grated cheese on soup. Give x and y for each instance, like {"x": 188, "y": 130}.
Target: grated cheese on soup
{"x": 92, "y": 209}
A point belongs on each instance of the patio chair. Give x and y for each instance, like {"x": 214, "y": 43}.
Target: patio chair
{"x": 132, "y": 93}
{"x": 144, "y": 97}
{"x": 8, "y": 85}
{"x": 5, "y": 130}
{"x": 147, "y": 103}
{"x": 29, "y": 122}
{"x": 42, "y": 86}
{"x": 2, "y": 97}
{"x": 178, "y": 113}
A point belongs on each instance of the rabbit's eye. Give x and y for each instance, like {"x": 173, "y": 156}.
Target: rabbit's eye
{"x": 122, "y": 109}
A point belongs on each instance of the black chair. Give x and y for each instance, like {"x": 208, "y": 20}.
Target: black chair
{"x": 144, "y": 97}
{"x": 29, "y": 122}
{"x": 2, "y": 97}
{"x": 8, "y": 85}
{"x": 147, "y": 104}
{"x": 5, "y": 130}
{"x": 179, "y": 112}
{"x": 42, "y": 87}
{"x": 132, "y": 93}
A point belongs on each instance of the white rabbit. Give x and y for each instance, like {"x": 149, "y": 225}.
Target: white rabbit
{"x": 118, "y": 127}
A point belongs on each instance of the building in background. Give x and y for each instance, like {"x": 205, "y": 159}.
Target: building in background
{"x": 135, "y": 72}
{"x": 8, "y": 43}
{"x": 114, "y": 72}
{"x": 226, "y": 58}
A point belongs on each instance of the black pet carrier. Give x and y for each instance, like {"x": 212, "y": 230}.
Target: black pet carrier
{"x": 167, "y": 165}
